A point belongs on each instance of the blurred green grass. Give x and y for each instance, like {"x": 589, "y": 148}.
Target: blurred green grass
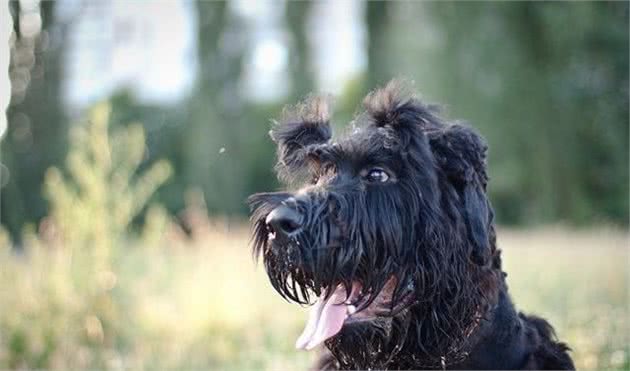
{"x": 201, "y": 302}
{"x": 579, "y": 281}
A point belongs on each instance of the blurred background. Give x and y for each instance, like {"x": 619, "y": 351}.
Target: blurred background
{"x": 134, "y": 131}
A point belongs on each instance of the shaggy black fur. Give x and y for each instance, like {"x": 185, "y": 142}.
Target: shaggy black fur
{"x": 400, "y": 198}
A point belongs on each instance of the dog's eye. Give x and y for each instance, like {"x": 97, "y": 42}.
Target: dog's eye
{"x": 377, "y": 175}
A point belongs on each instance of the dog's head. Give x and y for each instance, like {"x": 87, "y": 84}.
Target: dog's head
{"x": 387, "y": 230}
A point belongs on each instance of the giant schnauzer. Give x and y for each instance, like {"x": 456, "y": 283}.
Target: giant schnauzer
{"x": 389, "y": 234}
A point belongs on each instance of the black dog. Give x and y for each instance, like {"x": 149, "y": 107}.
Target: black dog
{"x": 391, "y": 229}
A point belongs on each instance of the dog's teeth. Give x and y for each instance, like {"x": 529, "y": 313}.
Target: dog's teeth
{"x": 351, "y": 309}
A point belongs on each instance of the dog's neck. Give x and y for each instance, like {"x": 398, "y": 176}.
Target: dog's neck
{"x": 500, "y": 342}
{"x": 497, "y": 341}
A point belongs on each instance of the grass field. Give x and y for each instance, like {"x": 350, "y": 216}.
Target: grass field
{"x": 200, "y": 302}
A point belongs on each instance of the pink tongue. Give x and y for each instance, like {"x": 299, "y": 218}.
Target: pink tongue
{"x": 325, "y": 320}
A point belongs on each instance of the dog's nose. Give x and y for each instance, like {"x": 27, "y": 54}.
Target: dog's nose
{"x": 283, "y": 221}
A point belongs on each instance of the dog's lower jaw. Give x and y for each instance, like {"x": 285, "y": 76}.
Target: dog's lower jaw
{"x": 504, "y": 339}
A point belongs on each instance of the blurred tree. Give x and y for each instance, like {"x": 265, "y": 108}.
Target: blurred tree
{"x": 37, "y": 130}
{"x": 379, "y": 54}
{"x": 300, "y": 57}
{"x": 224, "y": 145}
{"x": 547, "y": 84}
{"x": 206, "y": 132}
{"x": 216, "y": 143}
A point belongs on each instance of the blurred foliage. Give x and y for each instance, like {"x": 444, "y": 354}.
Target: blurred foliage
{"x": 67, "y": 307}
{"x": 545, "y": 83}
{"x": 104, "y": 190}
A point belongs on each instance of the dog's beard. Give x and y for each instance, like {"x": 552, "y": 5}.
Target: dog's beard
{"x": 371, "y": 344}
{"x": 344, "y": 292}
{"x": 339, "y": 298}
{"x": 429, "y": 309}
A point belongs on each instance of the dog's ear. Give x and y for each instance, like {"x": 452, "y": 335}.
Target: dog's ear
{"x": 461, "y": 154}
{"x": 302, "y": 125}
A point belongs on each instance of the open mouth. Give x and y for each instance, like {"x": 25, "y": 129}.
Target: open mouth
{"x": 330, "y": 313}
